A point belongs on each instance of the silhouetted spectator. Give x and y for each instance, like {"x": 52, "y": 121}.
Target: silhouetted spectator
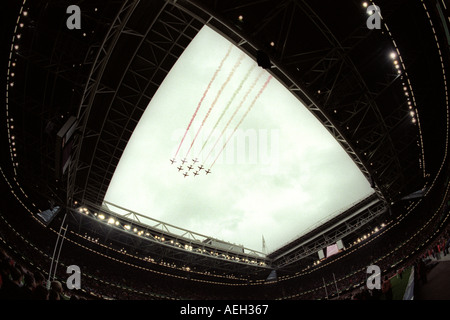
{"x": 12, "y": 289}
{"x": 422, "y": 271}
{"x": 39, "y": 278}
{"x": 386, "y": 288}
{"x": 56, "y": 291}
{"x": 29, "y": 286}
{"x": 40, "y": 293}
{"x": 53, "y": 295}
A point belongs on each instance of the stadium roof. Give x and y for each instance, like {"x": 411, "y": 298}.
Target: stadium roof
{"x": 276, "y": 172}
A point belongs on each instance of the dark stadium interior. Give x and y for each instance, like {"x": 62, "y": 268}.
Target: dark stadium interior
{"x": 105, "y": 74}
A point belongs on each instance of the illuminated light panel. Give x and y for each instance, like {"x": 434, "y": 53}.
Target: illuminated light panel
{"x": 293, "y": 179}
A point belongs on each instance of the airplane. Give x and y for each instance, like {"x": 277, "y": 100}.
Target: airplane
{"x": 185, "y": 174}
{"x": 190, "y": 168}
{"x": 180, "y": 168}
{"x": 195, "y": 160}
{"x": 173, "y": 161}
{"x": 208, "y": 171}
{"x": 183, "y": 161}
{"x": 195, "y": 173}
{"x": 200, "y": 168}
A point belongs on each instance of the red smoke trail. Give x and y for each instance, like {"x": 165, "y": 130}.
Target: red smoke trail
{"x": 243, "y": 117}
{"x": 235, "y": 112}
{"x": 228, "y": 105}
{"x": 203, "y": 97}
{"x": 219, "y": 93}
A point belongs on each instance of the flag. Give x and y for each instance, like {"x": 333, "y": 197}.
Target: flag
{"x": 264, "y": 249}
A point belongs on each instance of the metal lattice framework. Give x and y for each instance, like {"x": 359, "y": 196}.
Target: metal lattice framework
{"x": 361, "y": 215}
{"x": 51, "y": 75}
{"x": 114, "y": 100}
{"x": 166, "y": 242}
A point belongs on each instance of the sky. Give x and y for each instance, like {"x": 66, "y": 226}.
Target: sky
{"x": 276, "y": 172}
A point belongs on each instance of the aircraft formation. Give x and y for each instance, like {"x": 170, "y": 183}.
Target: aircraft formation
{"x": 191, "y": 168}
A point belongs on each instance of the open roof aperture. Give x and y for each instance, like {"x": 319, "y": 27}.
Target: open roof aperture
{"x": 224, "y": 149}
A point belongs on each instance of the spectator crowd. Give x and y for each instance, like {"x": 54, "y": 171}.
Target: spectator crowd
{"x": 19, "y": 283}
